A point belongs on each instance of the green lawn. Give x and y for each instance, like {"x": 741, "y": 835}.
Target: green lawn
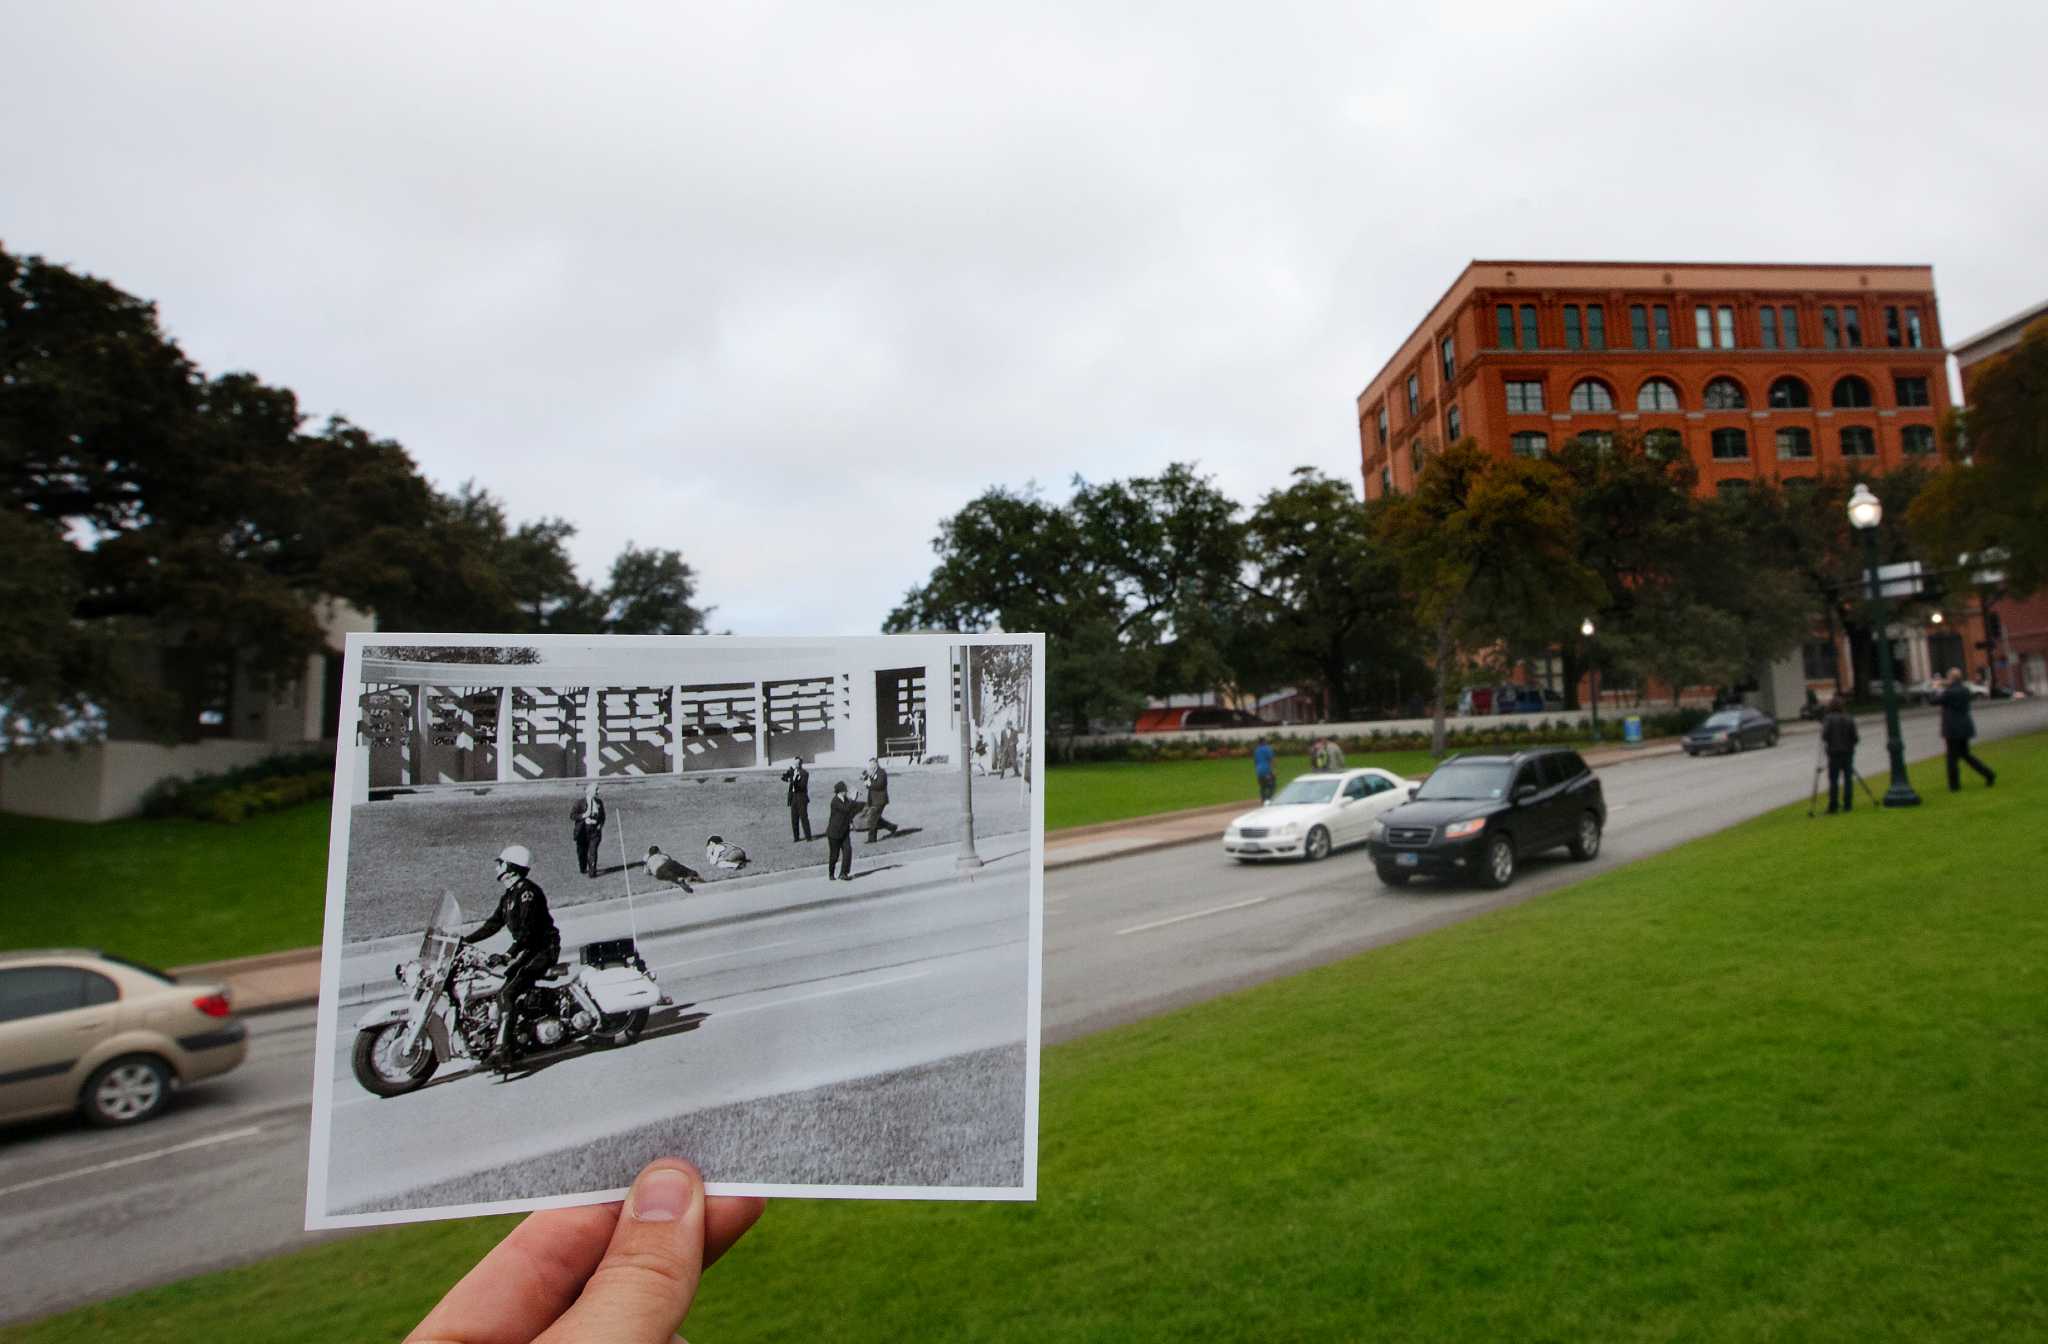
{"x": 167, "y": 892}
{"x": 1080, "y": 795}
{"x": 1782, "y": 1083}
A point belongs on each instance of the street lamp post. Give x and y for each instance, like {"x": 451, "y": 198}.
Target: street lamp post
{"x": 1592, "y": 674}
{"x": 1865, "y": 513}
{"x": 968, "y": 858}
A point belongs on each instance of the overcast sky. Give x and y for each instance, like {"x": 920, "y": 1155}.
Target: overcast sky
{"x": 782, "y": 285}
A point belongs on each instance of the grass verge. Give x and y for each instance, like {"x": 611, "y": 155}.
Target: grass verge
{"x": 1784, "y": 1082}
{"x": 1097, "y": 791}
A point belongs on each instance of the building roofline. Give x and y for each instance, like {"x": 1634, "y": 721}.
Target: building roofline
{"x": 1466, "y": 270}
{"x": 1997, "y": 329}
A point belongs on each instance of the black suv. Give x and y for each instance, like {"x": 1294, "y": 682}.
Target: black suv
{"x": 1478, "y": 816}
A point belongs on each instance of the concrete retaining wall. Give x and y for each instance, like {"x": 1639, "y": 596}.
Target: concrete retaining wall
{"x": 108, "y": 779}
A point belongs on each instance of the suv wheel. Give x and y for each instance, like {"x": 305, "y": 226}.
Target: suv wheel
{"x": 1317, "y": 846}
{"x": 1500, "y": 861}
{"x": 1586, "y": 844}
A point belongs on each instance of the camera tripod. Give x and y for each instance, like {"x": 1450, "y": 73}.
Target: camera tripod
{"x": 1820, "y": 767}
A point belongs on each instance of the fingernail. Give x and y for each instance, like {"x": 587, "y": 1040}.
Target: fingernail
{"x": 662, "y": 1195}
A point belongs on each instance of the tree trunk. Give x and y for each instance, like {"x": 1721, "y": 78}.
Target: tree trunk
{"x": 1568, "y": 654}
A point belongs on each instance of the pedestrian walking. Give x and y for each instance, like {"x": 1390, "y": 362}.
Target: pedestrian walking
{"x": 1262, "y": 765}
{"x": 1838, "y": 738}
{"x": 1333, "y": 755}
{"x": 839, "y": 834}
{"x": 586, "y": 826}
{"x": 798, "y": 796}
{"x": 876, "y": 780}
{"x": 1957, "y": 728}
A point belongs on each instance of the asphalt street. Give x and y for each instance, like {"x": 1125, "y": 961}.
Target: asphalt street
{"x": 86, "y": 1215}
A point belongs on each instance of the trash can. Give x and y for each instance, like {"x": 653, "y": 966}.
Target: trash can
{"x": 1632, "y": 729}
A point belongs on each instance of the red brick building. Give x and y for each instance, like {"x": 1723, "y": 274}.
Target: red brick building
{"x": 1755, "y": 370}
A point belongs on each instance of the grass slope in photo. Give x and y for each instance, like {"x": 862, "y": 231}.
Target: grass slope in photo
{"x": 405, "y": 851}
{"x": 1786, "y": 1082}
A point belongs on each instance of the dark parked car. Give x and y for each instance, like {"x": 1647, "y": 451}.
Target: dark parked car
{"x": 1480, "y": 816}
{"x": 1728, "y": 730}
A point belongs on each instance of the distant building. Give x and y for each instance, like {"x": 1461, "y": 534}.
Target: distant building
{"x": 1756, "y": 371}
{"x": 247, "y": 719}
{"x": 2017, "y": 634}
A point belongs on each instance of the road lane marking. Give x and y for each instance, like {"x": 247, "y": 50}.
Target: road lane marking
{"x": 1199, "y": 914}
{"x": 735, "y": 952}
{"x": 824, "y": 994}
{"x": 248, "y": 1131}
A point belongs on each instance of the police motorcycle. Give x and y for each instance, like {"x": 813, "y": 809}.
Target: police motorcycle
{"x": 452, "y": 1013}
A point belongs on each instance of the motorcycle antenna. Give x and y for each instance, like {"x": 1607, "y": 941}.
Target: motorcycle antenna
{"x": 626, "y": 870}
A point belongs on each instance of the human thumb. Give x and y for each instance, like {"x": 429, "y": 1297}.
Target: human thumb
{"x": 643, "y": 1287}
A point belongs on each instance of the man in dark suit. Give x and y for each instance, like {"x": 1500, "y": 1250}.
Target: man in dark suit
{"x": 586, "y": 826}
{"x": 1957, "y": 728}
{"x": 1838, "y": 737}
{"x": 839, "y": 834}
{"x": 798, "y": 796}
{"x": 877, "y": 781}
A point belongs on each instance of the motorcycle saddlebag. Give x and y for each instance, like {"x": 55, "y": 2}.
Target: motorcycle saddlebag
{"x": 620, "y": 989}
{"x": 611, "y": 952}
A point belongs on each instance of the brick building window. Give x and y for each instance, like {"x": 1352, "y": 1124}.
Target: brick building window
{"x": 1730, "y": 445}
{"x": 1788, "y": 326}
{"x": 1418, "y": 453}
{"x": 1913, "y": 333}
{"x": 1858, "y": 441}
{"x": 1795, "y": 444}
{"x": 1724, "y": 394}
{"x": 1596, "y": 441}
{"x": 1454, "y": 426}
{"x": 1767, "y": 326}
{"x": 1660, "y": 322}
{"x": 1386, "y": 481}
{"x": 1524, "y": 396}
{"x": 1639, "y": 326}
{"x": 1725, "y": 325}
{"x": 1852, "y": 327}
{"x": 1663, "y": 444}
{"x": 1894, "y": 333}
{"x": 1703, "y": 327}
{"x": 1917, "y": 440}
{"x": 1414, "y": 394}
{"x": 1657, "y": 394}
{"x": 1380, "y": 423}
{"x": 1596, "y": 327}
{"x": 1571, "y": 326}
{"x": 1789, "y": 394}
{"x": 1910, "y": 391}
{"x": 1504, "y": 325}
{"x": 1830, "y": 327}
{"x": 1530, "y": 443}
{"x": 1851, "y": 393}
{"x": 1590, "y": 394}
{"x": 1449, "y": 350}
{"x": 1529, "y": 341}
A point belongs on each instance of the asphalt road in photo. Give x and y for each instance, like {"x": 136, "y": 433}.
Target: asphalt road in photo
{"x": 86, "y": 1215}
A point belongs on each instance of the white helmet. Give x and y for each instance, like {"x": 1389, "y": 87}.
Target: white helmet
{"x": 516, "y": 856}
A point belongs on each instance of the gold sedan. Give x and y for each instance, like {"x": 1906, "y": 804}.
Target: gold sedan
{"x": 106, "y": 1037}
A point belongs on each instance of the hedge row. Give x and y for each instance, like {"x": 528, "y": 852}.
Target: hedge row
{"x": 232, "y": 795}
{"x": 1509, "y": 732}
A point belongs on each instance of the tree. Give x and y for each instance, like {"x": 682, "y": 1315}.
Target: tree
{"x": 1487, "y": 549}
{"x": 652, "y": 593}
{"x": 1992, "y": 492}
{"x": 1325, "y": 598}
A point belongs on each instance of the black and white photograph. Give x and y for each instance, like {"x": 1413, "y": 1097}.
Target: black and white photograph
{"x": 773, "y": 905}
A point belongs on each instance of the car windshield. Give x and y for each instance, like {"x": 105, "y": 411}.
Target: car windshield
{"x": 1476, "y": 781}
{"x": 1727, "y": 718}
{"x": 1309, "y": 789}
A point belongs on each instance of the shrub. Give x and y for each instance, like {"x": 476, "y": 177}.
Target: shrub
{"x": 233, "y": 795}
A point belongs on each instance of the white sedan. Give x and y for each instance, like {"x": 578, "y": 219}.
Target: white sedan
{"x": 1315, "y": 814}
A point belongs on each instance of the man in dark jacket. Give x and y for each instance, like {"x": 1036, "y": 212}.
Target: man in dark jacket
{"x": 586, "y": 824}
{"x": 523, "y": 909}
{"x": 1957, "y": 728}
{"x": 877, "y": 781}
{"x": 798, "y": 796}
{"x": 839, "y": 834}
{"x": 1838, "y": 737}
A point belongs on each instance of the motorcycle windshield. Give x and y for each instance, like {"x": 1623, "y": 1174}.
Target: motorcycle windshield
{"x": 442, "y": 934}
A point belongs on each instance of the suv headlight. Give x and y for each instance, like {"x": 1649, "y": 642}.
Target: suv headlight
{"x": 1458, "y": 830}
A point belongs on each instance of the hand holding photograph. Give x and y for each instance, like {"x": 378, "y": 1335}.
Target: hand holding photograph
{"x": 566, "y": 934}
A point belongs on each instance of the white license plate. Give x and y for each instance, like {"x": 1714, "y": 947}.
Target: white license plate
{"x": 1407, "y": 860}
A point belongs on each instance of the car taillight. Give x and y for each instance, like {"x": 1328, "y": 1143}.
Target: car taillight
{"x": 213, "y": 1005}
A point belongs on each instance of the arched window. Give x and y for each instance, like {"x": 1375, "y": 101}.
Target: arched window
{"x": 1858, "y": 441}
{"x": 1590, "y": 394}
{"x": 1730, "y": 445}
{"x": 1724, "y": 394}
{"x": 1851, "y": 392}
{"x": 1788, "y": 394}
{"x": 1657, "y": 394}
{"x": 1662, "y": 445}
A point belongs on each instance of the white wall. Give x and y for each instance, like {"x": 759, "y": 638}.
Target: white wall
{"x": 1383, "y": 727}
{"x": 108, "y": 780}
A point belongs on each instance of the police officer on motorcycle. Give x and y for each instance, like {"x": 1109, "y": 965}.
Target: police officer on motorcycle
{"x": 523, "y": 909}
